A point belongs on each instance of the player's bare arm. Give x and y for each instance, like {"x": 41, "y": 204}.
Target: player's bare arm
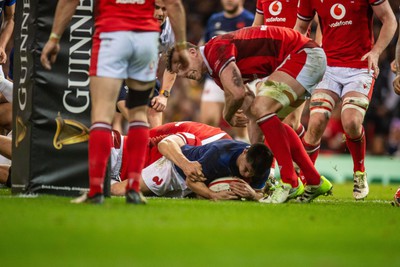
{"x": 235, "y": 93}
{"x": 6, "y": 33}
{"x": 178, "y": 24}
{"x": 159, "y": 103}
{"x": 170, "y": 147}
{"x": 396, "y": 68}
{"x": 64, "y": 11}
{"x": 258, "y": 20}
{"x": 389, "y": 25}
{"x": 302, "y": 26}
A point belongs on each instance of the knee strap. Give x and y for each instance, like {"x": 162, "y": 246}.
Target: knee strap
{"x": 137, "y": 98}
{"x": 358, "y": 103}
{"x": 281, "y": 92}
{"x": 322, "y": 103}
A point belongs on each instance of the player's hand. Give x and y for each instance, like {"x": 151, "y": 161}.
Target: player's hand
{"x": 183, "y": 59}
{"x": 243, "y": 189}
{"x": 396, "y": 84}
{"x": 372, "y": 62}
{"x": 3, "y": 56}
{"x": 193, "y": 171}
{"x": 49, "y": 54}
{"x": 224, "y": 195}
{"x": 159, "y": 103}
{"x": 239, "y": 119}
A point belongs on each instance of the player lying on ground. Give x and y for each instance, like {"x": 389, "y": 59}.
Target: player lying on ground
{"x": 201, "y": 134}
{"x": 185, "y": 169}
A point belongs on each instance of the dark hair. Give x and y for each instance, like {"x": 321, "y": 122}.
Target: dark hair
{"x": 260, "y": 158}
{"x": 170, "y": 53}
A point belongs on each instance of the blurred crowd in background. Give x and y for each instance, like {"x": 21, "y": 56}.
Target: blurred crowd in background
{"x": 382, "y": 122}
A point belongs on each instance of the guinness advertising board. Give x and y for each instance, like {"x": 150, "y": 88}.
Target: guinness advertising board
{"x": 51, "y": 109}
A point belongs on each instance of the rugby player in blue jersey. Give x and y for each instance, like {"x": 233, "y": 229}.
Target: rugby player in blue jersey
{"x": 187, "y": 169}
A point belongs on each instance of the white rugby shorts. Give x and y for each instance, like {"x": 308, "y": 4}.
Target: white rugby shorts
{"x": 307, "y": 66}
{"x": 163, "y": 180}
{"x": 341, "y": 80}
{"x": 125, "y": 54}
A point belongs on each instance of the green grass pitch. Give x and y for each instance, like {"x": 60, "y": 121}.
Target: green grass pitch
{"x": 331, "y": 231}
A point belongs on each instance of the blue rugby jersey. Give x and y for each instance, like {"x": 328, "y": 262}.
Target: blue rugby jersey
{"x": 218, "y": 24}
{"x": 218, "y": 159}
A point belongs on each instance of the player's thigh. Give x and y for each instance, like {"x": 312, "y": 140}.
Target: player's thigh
{"x": 104, "y": 93}
{"x": 306, "y": 67}
{"x": 358, "y": 81}
{"x": 111, "y": 52}
{"x": 143, "y": 63}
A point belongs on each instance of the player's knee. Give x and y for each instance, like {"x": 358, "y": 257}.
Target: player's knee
{"x": 353, "y": 112}
{"x": 352, "y": 123}
{"x": 137, "y": 98}
{"x": 280, "y": 92}
{"x": 322, "y": 103}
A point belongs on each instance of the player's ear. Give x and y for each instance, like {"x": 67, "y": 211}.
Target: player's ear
{"x": 193, "y": 51}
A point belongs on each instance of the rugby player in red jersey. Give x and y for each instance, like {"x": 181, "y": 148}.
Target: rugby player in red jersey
{"x": 294, "y": 64}
{"x": 125, "y": 47}
{"x": 352, "y": 67}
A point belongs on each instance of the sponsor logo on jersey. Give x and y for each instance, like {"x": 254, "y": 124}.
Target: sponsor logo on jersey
{"x": 275, "y": 8}
{"x": 338, "y": 11}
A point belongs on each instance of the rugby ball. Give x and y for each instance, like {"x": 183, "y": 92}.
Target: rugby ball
{"x": 222, "y": 184}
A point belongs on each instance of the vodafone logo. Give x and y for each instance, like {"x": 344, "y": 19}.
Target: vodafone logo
{"x": 338, "y": 11}
{"x": 275, "y": 8}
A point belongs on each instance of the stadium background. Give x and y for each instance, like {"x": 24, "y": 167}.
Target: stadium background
{"x": 382, "y": 122}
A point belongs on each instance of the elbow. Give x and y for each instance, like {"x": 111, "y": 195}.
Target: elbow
{"x": 163, "y": 146}
{"x": 239, "y": 97}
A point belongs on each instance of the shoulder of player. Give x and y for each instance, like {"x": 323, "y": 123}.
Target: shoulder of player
{"x": 216, "y": 16}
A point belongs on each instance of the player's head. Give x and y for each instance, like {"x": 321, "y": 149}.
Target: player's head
{"x": 232, "y": 6}
{"x": 196, "y": 68}
{"x": 255, "y": 161}
{"x": 160, "y": 12}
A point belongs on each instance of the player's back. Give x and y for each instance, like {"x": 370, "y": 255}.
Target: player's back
{"x": 258, "y": 51}
{"x": 218, "y": 159}
{"x": 200, "y": 130}
{"x": 125, "y": 15}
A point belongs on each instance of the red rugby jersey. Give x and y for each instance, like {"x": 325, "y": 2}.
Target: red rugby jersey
{"x": 346, "y": 26}
{"x": 258, "y": 51}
